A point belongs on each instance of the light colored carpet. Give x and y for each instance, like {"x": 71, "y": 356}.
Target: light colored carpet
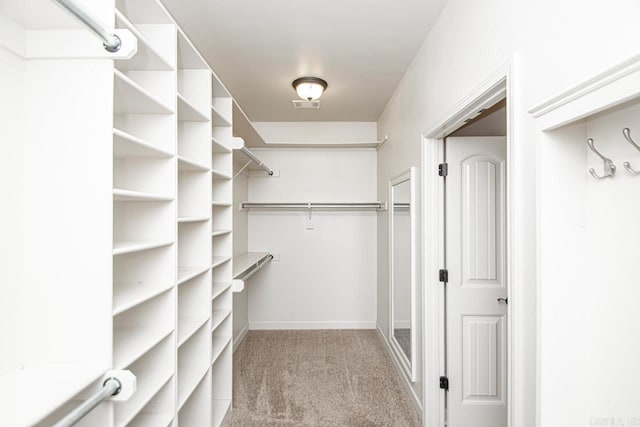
{"x": 317, "y": 378}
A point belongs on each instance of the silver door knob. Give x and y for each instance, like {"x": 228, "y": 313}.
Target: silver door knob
{"x": 504, "y": 300}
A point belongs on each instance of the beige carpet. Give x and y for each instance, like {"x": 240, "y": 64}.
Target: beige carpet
{"x": 317, "y": 378}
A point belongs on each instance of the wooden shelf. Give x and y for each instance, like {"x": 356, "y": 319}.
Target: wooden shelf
{"x": 190, "y": 165}
{"x": 219, "y": 288}
{"x": 220, "y": 342}
{"x": 219, "y": 260}
{"x": 219, "y": 147}
{"x": 218, "y": 119}
{"x": 131, "y": 343}
{"x": 152, "y": 420}
{"x": 220, "y": 232}
{"x": 131, "y": 98}
{"x": 126, "y": 247}
{"x": 244, "y": 262}
{"x": 189, "y": 378}
{"x": 121, "y": 195}
{"x": 131, "y": 295}
{"x": 187, "y": 112}
{"x": 187, "y": 273}
{"x": 218, "y": 174}
{"x": 147, "y": 57}
{"x": 218, "y": 316}
{"x": 149, "y": 383}
{"x": 220, "y": 409}
{"x": 189, "y": 325}
{"x": 187, "y": 219}
{"x": 222, "y": 204}
{"x": 127, "y": 145}
{"x": 41, "y": 389}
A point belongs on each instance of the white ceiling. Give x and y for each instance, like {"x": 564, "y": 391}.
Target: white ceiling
{"x": 258, "y": 47}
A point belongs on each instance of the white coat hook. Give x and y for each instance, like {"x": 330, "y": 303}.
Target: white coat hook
{"x": 627, "y": 134}
{"x": 609, "y": 167}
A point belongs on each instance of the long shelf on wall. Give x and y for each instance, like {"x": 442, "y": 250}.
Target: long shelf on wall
{"x": 314, "y": 205}
{"x": 242, "y": 264}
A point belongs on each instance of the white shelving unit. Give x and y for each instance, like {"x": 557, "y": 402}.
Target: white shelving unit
{"x": 146, "y": 141}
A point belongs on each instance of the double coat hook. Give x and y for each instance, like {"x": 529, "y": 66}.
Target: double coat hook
{"x": 609, "y": 167}
{"x": 627, "y": 134}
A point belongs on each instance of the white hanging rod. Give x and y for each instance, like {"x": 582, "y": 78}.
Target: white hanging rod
{"x": 339, "y": 205}
{"x": 256, "y": 160}
{"x": 255, "y": 268}
{"x": 111, "y": 387}
{"x": 111, "y": 42}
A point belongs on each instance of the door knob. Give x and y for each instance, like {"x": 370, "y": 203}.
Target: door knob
{"x": 504, "y": 300}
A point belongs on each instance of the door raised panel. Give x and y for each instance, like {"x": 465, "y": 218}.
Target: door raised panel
{"x": 482, "y": 202}
{"x": 483, "y": 362}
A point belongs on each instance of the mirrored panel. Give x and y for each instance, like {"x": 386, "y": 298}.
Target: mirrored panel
{"x": 402, "y": 291}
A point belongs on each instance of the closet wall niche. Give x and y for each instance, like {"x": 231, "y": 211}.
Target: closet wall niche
{"x": 587, "y": 262}
{"x": 130, "y": 173}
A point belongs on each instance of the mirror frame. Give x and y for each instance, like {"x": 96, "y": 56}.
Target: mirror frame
{"x": 409, "y": 366}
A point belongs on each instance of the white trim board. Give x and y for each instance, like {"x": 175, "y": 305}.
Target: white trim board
{"x": 241, "y": 337}
{"x": 404, "y": 380}
{"x": 311, "y": 325}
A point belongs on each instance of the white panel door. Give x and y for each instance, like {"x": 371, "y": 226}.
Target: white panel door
{"x": 476, "y": 260}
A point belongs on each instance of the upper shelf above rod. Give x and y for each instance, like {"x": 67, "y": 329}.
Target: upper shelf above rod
{"x": 238, "y": 144}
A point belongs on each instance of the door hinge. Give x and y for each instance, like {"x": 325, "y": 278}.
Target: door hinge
{"x": 443, "y": 276}
{"x": 444, "y": 383}
{"x": 443, "y": 169}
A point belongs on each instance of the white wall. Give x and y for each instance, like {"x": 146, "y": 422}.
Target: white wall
{"x": 560, "y": 44}
{"x": 12, "y": 71}
{"x": 240, "y": 246}
{"x": 325, "y": 277}
{"x": 316, "y": 132}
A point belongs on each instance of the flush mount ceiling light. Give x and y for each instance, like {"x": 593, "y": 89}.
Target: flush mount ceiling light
{"x": 309, "y": 88}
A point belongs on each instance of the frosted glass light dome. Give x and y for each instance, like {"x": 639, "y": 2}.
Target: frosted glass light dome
{"x": 309, "y": 88}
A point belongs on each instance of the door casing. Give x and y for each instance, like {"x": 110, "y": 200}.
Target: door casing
{"x": 498, "y": 86}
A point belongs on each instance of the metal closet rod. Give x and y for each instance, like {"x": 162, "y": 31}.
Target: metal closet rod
{"x": 338, "y": 205}
{"x": 111, "y": 42}
{"x": 256, "y": 160}
{"x": 111, "y": 387}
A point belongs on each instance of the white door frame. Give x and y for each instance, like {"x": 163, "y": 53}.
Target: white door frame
{"x": 498, "y": 86}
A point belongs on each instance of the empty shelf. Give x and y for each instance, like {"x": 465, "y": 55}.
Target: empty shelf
{"x": 219, "y": 288}
{"x": 127, "y": 145}
{"x": 147, "y": 57}
{"x": 187, "y": 273}
{"x": 190, "y": 165}
{"x": 184, "y": 219}
{"x": 152, "y": 420}
{"x": 218, "y": 119}
{"x": 244, "y": 262}
{"x": 125, "y": 247}
{"x": 187, "y": 112}
{"x": 189, "y": 325}
{"x": 220, "y": 203}
{"x": 220, "y": 147}
{"x": 218, "y": 174}
{"x": 131, "y": 98}
{"x": 220, "y": 342}
{"x": 219, "y": 260}
{"x": 131, "y": 343}
{"x": 149, "y": 384}
{"x": 188, "y": 381}
{"x": 121, "y": 195}
{"x": 218, "y": 316}
{"x": 127, "y": 296}
{"x": 220, "y": 232}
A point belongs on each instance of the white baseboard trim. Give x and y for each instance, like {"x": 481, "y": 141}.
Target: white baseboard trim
{"x": 264, "y": 326}
{"x": 403, "y": 377}
{"x": 241, "y": 337}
